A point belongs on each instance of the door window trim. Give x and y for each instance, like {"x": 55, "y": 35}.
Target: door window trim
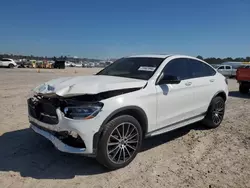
{"x": 219, "y": 68}
{"x": 205, "y": 65}
{"x": 157, "y": 80}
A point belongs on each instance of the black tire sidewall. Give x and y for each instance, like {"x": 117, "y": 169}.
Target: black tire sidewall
{"x": 11, "y": 66}
{"x": 208, "y": 119}
{"x": 102, "y": 155}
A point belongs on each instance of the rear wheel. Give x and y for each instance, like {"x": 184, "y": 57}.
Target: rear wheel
{"x": 120, "y": 142}
{"x": 11, "y": 66}
{"x": 243, "y": 89}
{"x": 215, "y": 113}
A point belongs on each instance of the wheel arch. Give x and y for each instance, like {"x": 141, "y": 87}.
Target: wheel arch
{"x": 135, "y": 111}
{"x": 11, "y": 64}
{"x": 220, "y": 94}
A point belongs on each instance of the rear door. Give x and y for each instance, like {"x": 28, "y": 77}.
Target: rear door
{"x": 203, "y": 79}
{"x": 228, "y": 70}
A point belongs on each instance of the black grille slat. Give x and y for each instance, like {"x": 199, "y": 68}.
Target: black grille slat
{"x": 43, "y": 110}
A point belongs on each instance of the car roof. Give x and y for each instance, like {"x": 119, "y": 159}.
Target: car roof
{"x": 151, "y": 55}
{"x": 164, "y": 56}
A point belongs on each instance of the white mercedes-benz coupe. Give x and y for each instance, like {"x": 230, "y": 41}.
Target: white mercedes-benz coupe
{"x": 109, "y": 114}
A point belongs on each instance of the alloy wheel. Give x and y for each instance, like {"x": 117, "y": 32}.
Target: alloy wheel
{"x": 122, "y": 143}
{"x": 218, "y": 112}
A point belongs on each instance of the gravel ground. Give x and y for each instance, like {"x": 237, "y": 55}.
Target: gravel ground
{"x": 188, "y": 157}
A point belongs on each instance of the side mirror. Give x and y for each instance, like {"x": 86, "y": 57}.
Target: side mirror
{"x": 169, "y": 79}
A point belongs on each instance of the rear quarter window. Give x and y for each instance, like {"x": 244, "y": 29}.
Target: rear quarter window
{"x": 200, "y": 69}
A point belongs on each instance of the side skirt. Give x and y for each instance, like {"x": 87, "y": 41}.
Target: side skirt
{"x": 176, "y": 125}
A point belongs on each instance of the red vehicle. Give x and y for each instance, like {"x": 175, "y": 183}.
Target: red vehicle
{"x": 243, "y": 78}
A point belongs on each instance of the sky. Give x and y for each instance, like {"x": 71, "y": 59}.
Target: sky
{"x": 113, "y": 28}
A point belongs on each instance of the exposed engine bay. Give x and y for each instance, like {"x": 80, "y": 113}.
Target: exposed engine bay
{"x": 44, "y": 108}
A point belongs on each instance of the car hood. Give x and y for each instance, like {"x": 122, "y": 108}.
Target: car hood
{"x": 94, "y": 84}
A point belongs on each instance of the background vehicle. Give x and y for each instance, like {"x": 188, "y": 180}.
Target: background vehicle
{"x": 227, "y": 70}
{"x": 108, "y": 115}
{"x": 6, "y": 62}
{"x": 243, "y": 78}
{"x": 59, "y": 64}
{"x": 69, "y": 64}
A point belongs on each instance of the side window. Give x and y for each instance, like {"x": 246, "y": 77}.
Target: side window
{"x": 221, "y": 68}
{"x": 228, "y": 67}
{"x": 209, "y": 71}
{"x": 5, "y": 60}
{"x": 200, "y": 69}
{"x": 177, "y": 67}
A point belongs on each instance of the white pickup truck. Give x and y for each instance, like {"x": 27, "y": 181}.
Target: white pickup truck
{"x": 6, "y": 62}
{"x": 226, "y": 70}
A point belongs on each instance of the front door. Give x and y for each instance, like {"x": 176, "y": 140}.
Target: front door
{"x": 221, "y": 70}
{"x": 175, "y": 102}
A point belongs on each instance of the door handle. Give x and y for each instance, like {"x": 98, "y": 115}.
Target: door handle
{"x": 188, "y": 83}
{"x": 212, "y": 80}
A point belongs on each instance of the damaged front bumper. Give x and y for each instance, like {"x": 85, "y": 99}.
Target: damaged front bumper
{"x": 57, "y": 142}
{"x": 48, "y": 117}
{"x": 58, "y": 134}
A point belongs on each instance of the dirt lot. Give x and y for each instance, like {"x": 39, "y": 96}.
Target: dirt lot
{"x": 188, "y": 157}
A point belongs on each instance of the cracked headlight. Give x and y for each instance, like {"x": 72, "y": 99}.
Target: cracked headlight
{"x": 88, "y": 111}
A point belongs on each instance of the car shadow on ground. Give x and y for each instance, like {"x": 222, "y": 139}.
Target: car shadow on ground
{"x": 237, "y": 94}
{"x": 31, "y": 155}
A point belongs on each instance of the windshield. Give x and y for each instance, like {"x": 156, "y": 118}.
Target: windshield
{"x": 133, "y": 67}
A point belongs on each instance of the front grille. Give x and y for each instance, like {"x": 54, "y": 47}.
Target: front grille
{"x": 43, "y": 110}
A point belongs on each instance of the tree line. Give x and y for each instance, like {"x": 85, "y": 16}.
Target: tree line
{"x": 211, "y": 60}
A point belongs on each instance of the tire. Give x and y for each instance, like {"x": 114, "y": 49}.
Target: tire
{"x": 243, "y": 89}
{"x": 215, "y": 113}
{"x": 110, "y": 146}
{"x": 11, "y": 66}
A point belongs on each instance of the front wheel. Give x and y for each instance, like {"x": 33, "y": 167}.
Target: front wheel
{"x": 120, "y": 142}
{"x": 215, "y": 113}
